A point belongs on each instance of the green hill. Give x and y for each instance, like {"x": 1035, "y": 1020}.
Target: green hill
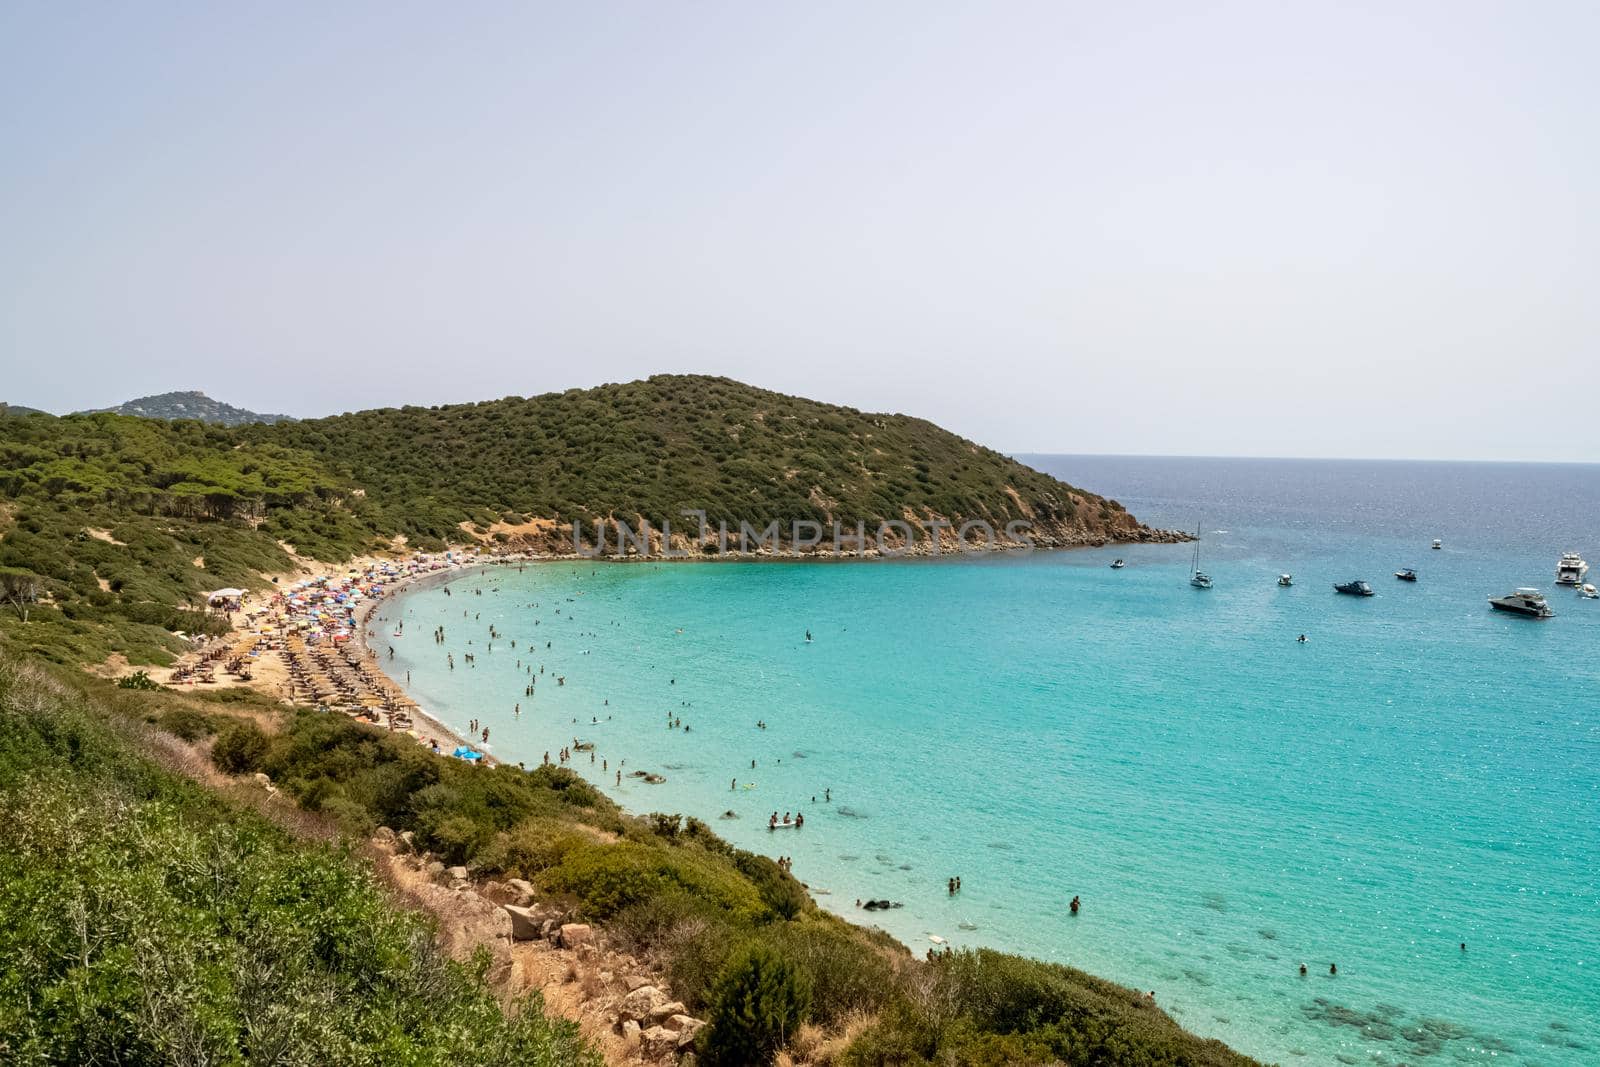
{"x": 656, "y": 447}
{"x": 111, "y": 526}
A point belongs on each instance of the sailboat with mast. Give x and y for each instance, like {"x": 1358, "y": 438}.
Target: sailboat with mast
{"x": 1198, "y": 578}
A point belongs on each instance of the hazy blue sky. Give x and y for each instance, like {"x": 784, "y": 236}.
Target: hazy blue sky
{"x": 1243, "y": 228}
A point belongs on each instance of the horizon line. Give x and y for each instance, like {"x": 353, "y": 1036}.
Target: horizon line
{"x": 1313, "y": 459}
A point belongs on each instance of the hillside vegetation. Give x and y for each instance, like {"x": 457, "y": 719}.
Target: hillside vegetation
{"x": 739, "y": 938}
{"x": 111, "y": 526}
{"x": 654, "y": 448}
{"x": 145, "y": 921}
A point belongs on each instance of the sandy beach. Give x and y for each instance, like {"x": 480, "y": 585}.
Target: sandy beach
{"x": 328, "y": 610}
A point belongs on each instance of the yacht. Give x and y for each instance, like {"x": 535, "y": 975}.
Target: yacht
{"x": 1524, "y": 601}
{"x": 1437, "y": 543}
{"x": 1354, "y": 588}
{"x": 1117, "y": 564}
{"x": 1198, "y": 578}
{"x": 1285, "y": 579}
{"x": 1406, "y": 574}
{"x": 1571, "y": 569}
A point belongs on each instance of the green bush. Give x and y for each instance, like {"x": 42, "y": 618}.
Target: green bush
{"x": 138, "y": 680}
{"x": 531, "y": 847}
{"x": 844, "y": 972}
{"x": 240, "y": 748}
{"x": 759, "y": 1003}
{"x": 605, "y": 879}
{"x": 185, "y": 723}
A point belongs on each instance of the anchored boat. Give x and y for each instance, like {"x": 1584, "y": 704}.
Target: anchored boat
{"x": 1354, "y": 588}
{"x": 1523, "y": 601}
{"x": 1198, "y": 578}
{"x": 1571, "y": 569}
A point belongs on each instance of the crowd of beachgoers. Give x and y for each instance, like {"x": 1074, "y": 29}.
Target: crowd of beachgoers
{"x": 304, "y": 641}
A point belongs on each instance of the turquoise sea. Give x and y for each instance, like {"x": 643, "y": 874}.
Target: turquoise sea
{"x": 1227, "y": 802}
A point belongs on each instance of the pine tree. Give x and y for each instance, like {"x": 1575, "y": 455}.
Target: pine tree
{"x": 758, "y": 1004}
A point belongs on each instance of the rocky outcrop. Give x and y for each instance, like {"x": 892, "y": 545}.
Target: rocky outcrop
{"x": 536, "y": 944}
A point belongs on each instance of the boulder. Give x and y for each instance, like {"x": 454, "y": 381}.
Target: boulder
{"x": 521, "y": 891}
{"x": 263, "y": 781}
{"x": 641, "y": 1003}
{"x": 630, "y": 1034}
{"x": 575, "y": 934}
{"x": 636, "y": 981}
{"x": 435, "y": 869}
{"x": 457, "y": 874}
{"x": 525, "y": 925}
{"x": 658, "y": 1041}
{"x": 662, "y": 1012}
{"x": 382, "y": 835}
{"x": 408, "y": 839}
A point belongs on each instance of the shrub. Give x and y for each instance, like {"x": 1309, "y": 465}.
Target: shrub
{"x": 845, "y": 973}
{"x": 759, "y": 1003}
{"x": 530, "y": 847}
{"x": 608, "y": 878}
{"x": 139, "y": 680}
{"x": 241, "y": 748}
{"x": 185, "y": 723}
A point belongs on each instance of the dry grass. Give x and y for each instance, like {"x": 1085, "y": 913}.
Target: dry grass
{"x": 815, "y": 1047}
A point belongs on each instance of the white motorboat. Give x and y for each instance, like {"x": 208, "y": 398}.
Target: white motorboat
{"x": 1285, "y": 579}
{"x": 1437, "y": 543}
{"x": 1571, "y": 569}
{"x": 1588, "y": 592}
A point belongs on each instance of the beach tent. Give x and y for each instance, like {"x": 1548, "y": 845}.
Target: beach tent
{"x": 463, "y": 752}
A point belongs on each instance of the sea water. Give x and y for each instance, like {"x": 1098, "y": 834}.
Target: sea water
{"x": 1226, "y": 801}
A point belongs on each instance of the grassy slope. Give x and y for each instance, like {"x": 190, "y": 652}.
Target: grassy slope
{"x": 143, "y": 920}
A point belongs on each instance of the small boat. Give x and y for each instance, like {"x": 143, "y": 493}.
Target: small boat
{"x": 1437, "y": 543}
{"x": 1588, "y": 592}
{"x": 1117, "y": 564}
{"x": 1198, "y": 578}
{"x": 1354, "y": 588}
{"x": 1406, "y": 574}
{"x": 1571, "y": 569}
{"x": 1285, "y": 579}
{"x": 1523, "y": 601}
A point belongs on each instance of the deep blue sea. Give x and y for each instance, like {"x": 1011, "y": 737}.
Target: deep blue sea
{"x": 1227, "y": 802}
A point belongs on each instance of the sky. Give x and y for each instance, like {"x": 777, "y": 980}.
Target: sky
{"x": 1310, "y": 229}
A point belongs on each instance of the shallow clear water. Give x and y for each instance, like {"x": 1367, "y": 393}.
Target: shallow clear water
{"x": 1227, "y": 802}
